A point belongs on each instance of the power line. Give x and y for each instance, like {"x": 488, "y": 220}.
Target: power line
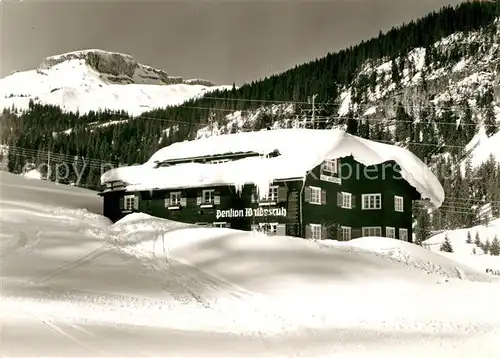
{"x": 362, "y": 105}
{"x": 318, "y": 119}
{"x": 28, "y": 152}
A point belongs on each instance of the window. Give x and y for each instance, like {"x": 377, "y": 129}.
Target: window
{"x": 329, "y": 167}
{"x": 221, "y": 224}
{"x": 175, "y": 198}
{"x": 346, "y": 200}
{"x": 372, "y": 201}
{"x": 372, "y": 231}
{"x": 272, "y": 195}
{"x": 398, "y": 204}
{"x": 390, "y": 232}
{"x": 268, "y": 228}
{"x": 315, "y": 195}
{"x": 403, "y": 234}
{"x": 329, "y": 171}
{"x": 207, "y": 196}
{"x": 217, "y": 161}
{"x": 316, "y": 232}
{"x": 345, "y": 233}
{"x": 130, "y": 202}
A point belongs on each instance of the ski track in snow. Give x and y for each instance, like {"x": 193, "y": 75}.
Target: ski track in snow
{"x": 108, "y": 293}
{"x": 24, "y": 240}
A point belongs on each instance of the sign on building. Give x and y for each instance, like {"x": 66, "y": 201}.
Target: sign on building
{"x": 250, "y": 212}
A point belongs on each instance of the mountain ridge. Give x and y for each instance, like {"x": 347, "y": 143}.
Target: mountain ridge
{"x": 94, "y": 79}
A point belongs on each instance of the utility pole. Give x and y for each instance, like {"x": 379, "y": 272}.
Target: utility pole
{"x": 48, "y": 165}
{"x": 313, "y": 111}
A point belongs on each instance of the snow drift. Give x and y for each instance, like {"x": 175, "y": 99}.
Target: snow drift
{"x": 286, "y": 265}
{"x": 469, "y": 254}
{"x": 75, "y": 285}
{"x": 413, "y": 256}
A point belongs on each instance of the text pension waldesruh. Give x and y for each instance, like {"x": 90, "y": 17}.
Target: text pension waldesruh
{"x": 249, "y": 212}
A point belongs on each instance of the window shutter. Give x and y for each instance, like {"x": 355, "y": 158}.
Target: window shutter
{"x": 282, "y": 194}
{"x": 339, "y": 233}
{"x": 308, "y": 232}
{"x": 167, "y": 202}
{"x": 323, "y": 197}
{"x": 281, "y": 229}
{"x": 339, "y": 199}
{"x": 198, "y": 200}
{"x": 338, "y": 167}
{"x": 184, "y": 201}
{"x": 356, "y": 233}
{"x": 324, "y": 233}
{"x": 307, "y": 194}
{"x": 217, "y": 199}
{"x": 254, "y": 194}
{"x": 121, "y": 203}
{"x": 353, "y": 201}
{"x": 136, "y": 202}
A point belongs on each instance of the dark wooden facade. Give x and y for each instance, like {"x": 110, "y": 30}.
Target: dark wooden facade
{"x": 332, "y": 203}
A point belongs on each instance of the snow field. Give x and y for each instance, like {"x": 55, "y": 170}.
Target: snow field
{"x": 75, "y": 285}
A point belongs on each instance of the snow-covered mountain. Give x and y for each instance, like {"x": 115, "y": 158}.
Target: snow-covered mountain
{"x": 92, "y": 80}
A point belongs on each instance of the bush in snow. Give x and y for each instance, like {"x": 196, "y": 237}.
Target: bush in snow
{"x": 473, "y": 251}
{"x": 446, "y": 245}
{"x": 469, "y": 238}
{"x": 495, "y": 247}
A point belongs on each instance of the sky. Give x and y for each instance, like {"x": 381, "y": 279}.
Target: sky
{"x": 222, "y": 41}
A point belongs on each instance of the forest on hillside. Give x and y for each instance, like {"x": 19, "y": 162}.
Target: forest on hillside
{"x": 45, "y": 134}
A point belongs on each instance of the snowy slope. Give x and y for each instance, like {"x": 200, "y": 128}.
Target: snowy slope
{"x": 75, "y": 285}
{"x": 469, "y": 254}
{"x": 434, "y": 86}
{"x": 483, "y": 147}
{"x": 97, "y": 80}
{"x": 437, "y": 85}
{"x": 413, "y": 256}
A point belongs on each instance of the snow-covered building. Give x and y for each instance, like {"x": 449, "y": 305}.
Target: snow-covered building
{"x": 300, "y": 182}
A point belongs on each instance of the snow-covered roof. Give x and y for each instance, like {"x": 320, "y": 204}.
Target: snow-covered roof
{"x": 300, "y": 151}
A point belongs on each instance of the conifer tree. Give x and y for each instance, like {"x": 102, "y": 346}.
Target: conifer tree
{"x": 446, "y": 245}
{"x": 495, "y": 247}
{"x": 489, "y": 121}
{"x": 396, "y": 76}
{"x": 403, "y": 123}
{"x": 477, "y": 240}
{"x": 486, "y": 246}
{"x": 469, "y": 238}
{"x": 423, "y": 226}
